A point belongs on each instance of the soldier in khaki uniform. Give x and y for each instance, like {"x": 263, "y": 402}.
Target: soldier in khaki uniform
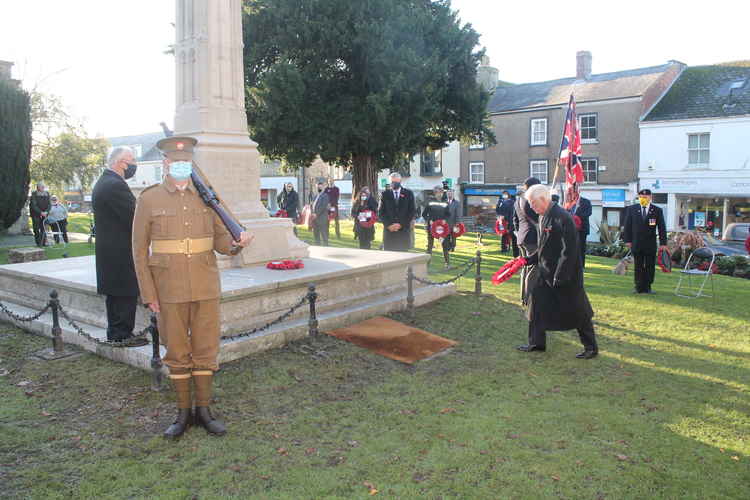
{"x": 174, "y": 238}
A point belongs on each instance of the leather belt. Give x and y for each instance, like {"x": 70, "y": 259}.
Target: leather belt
{"x": 187, "y": 246}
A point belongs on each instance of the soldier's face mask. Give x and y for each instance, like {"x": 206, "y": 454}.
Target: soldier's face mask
{"x": 181, "y": 170}
{"x": 643, "y": 200}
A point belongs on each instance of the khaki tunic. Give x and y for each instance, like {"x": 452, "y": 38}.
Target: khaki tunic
{"x": 186, "y": 286}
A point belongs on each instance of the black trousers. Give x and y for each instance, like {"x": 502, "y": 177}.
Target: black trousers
{"x": 538, "y": 336}
{"x": 582, "y": 247}
{"x": 644, "y": 263}
{"x": 37, "y": 223}
{"x": 320, "y": 231}
{"x": 120, "y": 316}
{"x": 449, "y": 243}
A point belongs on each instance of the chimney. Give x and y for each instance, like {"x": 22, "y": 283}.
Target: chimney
{"x": 583, "y": 65}
{"x": 487, "y": 76}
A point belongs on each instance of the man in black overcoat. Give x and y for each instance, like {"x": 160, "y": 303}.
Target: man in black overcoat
{"x": 642, "y": 221}
{"x": 114, "y": 207}
{"x": 557, "y": 299}
{"x": 396, "y": 212}
{"x": 525, "y": 222}
{"x": 320, "y": 216}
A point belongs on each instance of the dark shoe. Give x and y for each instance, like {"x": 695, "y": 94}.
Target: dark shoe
{"x": 204, "y": 418}
{"x": 180, "y": 425}
{"x": 531, "y": 347}
{"x": 131, "y": 341}
{"x": 587, "y": 354}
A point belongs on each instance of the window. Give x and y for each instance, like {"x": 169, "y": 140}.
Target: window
{"x": 539, "y": 132}
{"x": 476, "y": 172}
{"x": 590, "y": 166}
{"x": 538, "y": 169}
{"x": 476, "y": 146}
{"x": 431, "y": 162}
{"x": 588, "y": 124}
{"x": 698, "y": 147}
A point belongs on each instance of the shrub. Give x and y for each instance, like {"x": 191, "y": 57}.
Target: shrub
{"x": 15, "y": 152}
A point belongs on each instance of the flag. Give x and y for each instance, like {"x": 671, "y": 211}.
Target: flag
{"x": 570, "y": 148}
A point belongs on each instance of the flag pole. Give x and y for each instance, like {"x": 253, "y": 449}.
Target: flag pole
{"x": 562, "y": 138}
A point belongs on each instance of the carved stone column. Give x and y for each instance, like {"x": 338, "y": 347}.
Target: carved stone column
{"x": 210, "y": 106}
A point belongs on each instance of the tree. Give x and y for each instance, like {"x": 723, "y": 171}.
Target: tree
{"x": 15, "y": 152}
{"x": 364, "y": 84}
{"x": 70, "y": 158}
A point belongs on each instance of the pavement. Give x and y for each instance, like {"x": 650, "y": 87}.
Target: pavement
{"x": 27, "y": 240}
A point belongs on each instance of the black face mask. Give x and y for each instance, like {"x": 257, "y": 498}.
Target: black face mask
{"x": 130, "y": 170}
{"x": 320, "y": 190}
{"x": 395, "y": 185}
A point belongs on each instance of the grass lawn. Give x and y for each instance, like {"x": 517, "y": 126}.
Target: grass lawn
{"x": 663, "y": 412}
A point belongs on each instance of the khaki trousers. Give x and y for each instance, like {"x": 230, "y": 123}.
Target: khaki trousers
{"x": 191, "y": 333}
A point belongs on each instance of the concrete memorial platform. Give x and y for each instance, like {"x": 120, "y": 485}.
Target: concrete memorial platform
{"x": 352, "y": 285}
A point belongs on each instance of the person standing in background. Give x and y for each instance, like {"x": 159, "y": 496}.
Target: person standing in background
{"x": 581, "y": 208}
{"x": 364, "y": 209}
{"x": 320, "y": 216}
{"x": 333, "y": 193}
{"x": 397, "y": 212}
{"x": 454, "y": 212}
{"x": 504, "y": 211}
{"x": 114, "y": 207}
{"x": 39, "y": 205}
{"x": 642, "y": 222}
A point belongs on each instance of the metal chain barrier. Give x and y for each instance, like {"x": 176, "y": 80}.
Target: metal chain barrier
{"x": 23, "y": 319}
{"x": 268, "y": 325}
{"x": 88, "y": 336}
{"x": 467, "y": 268}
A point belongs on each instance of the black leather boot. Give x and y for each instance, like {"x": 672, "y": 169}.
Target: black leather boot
{"x": 180, "y": 425}
{"x": 204, "y": 418}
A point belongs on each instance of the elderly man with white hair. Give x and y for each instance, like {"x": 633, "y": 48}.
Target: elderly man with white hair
{"x": 557, "y": 299}
{"x": 114, "y": 208}
{"x": 397, "y": 211}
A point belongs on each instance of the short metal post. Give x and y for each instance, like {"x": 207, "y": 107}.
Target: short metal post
{"x": 312, "y": 323}
{"x": 410, "y": 291}
{"x": 54, "y": 303}
{"x": 478, "y": 278}
{"x": 156, "y": 362}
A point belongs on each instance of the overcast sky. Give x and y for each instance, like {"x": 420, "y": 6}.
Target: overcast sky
{"x": 105, "y": 57}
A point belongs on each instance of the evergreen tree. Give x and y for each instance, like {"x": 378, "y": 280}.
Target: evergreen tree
{"x": 15, "y": 152}
{"x": 364, "y": 84}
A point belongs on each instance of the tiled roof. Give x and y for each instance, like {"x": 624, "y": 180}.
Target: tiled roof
{"x": 604, "y": 86}
{"x": 147, "y": 142}
{"x": 706, "y": 92}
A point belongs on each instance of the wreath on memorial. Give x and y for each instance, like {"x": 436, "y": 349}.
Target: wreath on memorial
{"x": 281, "y": 213}
{"x": 459, "y": 230}
{"x": 366, "y": 219}
{"x": 664, "y": 260}
{"x": 439, "y": 229}
{"x": 285, "y": 265}
{"x": 500, "y": 228}
{"x": 507, "y": 270}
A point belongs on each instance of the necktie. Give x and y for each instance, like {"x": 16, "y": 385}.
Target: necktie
{"x": 395, "y": 196}
{"x": 643, "y": 212}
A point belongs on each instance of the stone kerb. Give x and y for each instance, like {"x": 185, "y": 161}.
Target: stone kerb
{"x": 30, "y": 254}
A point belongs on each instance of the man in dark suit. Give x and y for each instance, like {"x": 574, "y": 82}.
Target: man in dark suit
{"x": 557, "y": 299}
{"x": 582, "y": 209}
{"x": 525, "y": 221}
{"x": 642, "y": 221}
{"x": 114, "y": 207}
{"x": 320, "y": 216}
{"x": 396, "y": 212}
{"x": 333, "y": 193}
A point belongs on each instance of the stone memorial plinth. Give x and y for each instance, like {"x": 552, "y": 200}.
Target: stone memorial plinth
{"x": 29, "y": 254}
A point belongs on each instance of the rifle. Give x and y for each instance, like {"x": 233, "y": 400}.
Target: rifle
{"x": 210, "y": 198}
